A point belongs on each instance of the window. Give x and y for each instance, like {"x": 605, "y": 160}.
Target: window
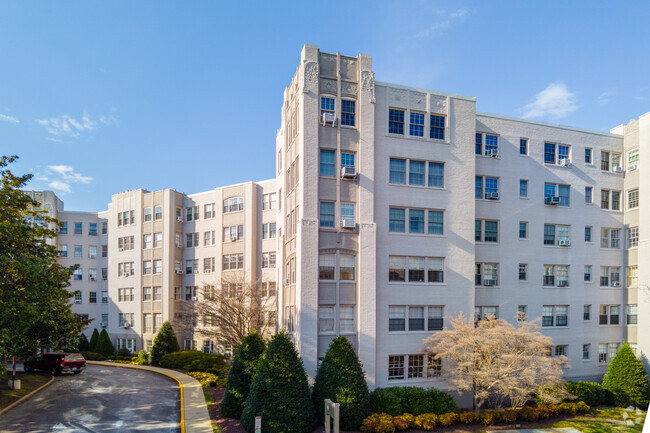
{"x": 157, "y": 293}
{"x": 233, "y": 204}
{"x": 208, "y": 265}
{"x": 269, "y": 201}
{"x": 414, "y": 267}
{"x": 396, "y": 121}
{"x": 552, "y": 231}
{"x": 327, "y": 214}
{"x": 615, "y": 158}
{"x": 347, "y": 211}
{"x": 64, "y": 228}
{"x": 326, "y": 266}
{"x": 631, "y": 314}
{"x": 396, "y": 220}
{"x": 416, "y": 318}
{"x": 555, "y": 153}
{"x": 159, "y": 213}
{"x": 554, "y": 190}
{"x": 192, "y": 240}
{"x": 486, "y": 231}
{"x": 326, "y": 105}
{"x": 481, "y": 312}
{"x": 588, "y": 155}
{"x": 487, "y": 274}
{"x": 92, "y": 297}
{"x": 523, "y": 272}
{"x": 327, "y": 165}
{"x": 104, "y": 301}
{"x": 92, "y": 274}
{"x": 347, "y": 160}
{"x": 632, "y": 276}
{"x": 487, "y": 144}
{"x": 157, "y": 240}
{"x": 127, "y": 243}
{"x": 523, "y": 146}
{"x": 179, "y": 240}
{"x": 209, "y": 238}
{"x": 396, "y": 367}
{"x": 587, "y": 273}
{"x": 633, "y": 237}
{"x": 607, "y": 350}
{"x": 586, "y": 312}
{"x": 491, "y": 189}
{"x": 192, "y": 266}
{"x": 633, "y": 159}
{"x": 78, "y": 228}
{"x": 347, "y": 112}
{"x": 326, "y": 319}
{"x": 549, "y": 153}
{"x": 435, "y": 222}
{"x": 589, "y": 194}
{"x": 610, "y": 199}
{"x": 523, "y": 188}
{"x": 416, "y": 127}
{"x": 436, "y": 175}
{"x": 587, "y": 233}
{"x": 233, "y": 233}
{"x": 125, "y": 269}
{"x": 104, "y": 250}
{"x": 268, "y": 260}
{"x": 190, "y": 344}
{"x": 147, "y": 214}
{"x": 610, "y": 276}
{"x": 416, "y": 221}
{"x": 523, "y": 230}
{"x": 554, "y": 315}
{"x": 78, "y": 251}
{"x": 146, "y": 267}
{"x": 633, "y": 198}
{"x": 209, "y": 211}
{"x": 610, "y": 238}
{"x": 556, "y": 276}
{"x": 63, "y": 251}
{"x": 346, "y": 319}
{"x": 561, "y": 350}
{"x": 609, "y": 315}
{"x": 397, "y": 171}
{"x": 416, "y": 366}
{"x": 521, "y": 313}
{"x": 92, "y": 229}
{"x": 146, "y": 293}
{"x": 233, "y": 261}
{"x": 437, "y": 130}
{"x": 192, "y": 213}
{"x": 416, "y": 173}
{"x": 157, "y": 266}
{"x": 347, "y": 267}
{"x": 125, "y": 294}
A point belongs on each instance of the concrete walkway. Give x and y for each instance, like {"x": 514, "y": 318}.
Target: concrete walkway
{"x": 194, "y": 412}
{"x": 543, "y": 430}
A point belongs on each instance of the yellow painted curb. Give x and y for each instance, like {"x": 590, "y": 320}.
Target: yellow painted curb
{"x": 25, "y": 397}
{"x": 180, "y": 385}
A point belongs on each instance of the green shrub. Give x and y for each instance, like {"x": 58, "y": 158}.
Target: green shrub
{"x": 192, "y": 360}
{"x": 241, "y": 374}
{"x": 590, "y": 392}
{"x": 567, "y": 408}
{"x": 426, "y": 421}
{"x": 402, "y": 423}
{"x": 94, "y": 338}
{"x": 468, "y": 418}
{"x": 279, "y": 392}
{"x": 626, "y": 379}
{"x": 582, "y": 407}
{"x": 93, "y": 356}
{"x": 487, "y": 418}
{"x": 104, "y": 345}
{"x": 508, "y": 416}
{"x": 141, "y": 358}
{"x": 385, "y": 400}
{"x": 82, "y": 343}
{"x": 123, "y": 354}
{"x": 378, "y": 423}
{"x": 440, "y": 401}
{"x": 447, "y": 419}
{"x": 528, "y": 414}
{"x": 164, "y": 343}
{"x": 543, "y": 412}
{"x": 341, "y": 379}
{"x": 206, "y": 379}
{"x": 553, "y": 409}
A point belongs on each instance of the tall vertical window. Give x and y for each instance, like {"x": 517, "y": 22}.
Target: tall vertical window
{"x": 437, "y": 127}
{"x": 589, "y": 194}
{"x": 147, "y": 214}
{"x": 523, "y": 146}
{"x": 159, "y": 213}
{"x": 416, "y": 127}
{"x": 347, "y": 160}
{"x": 347, "y": 112}
{"x": 346, "y": 319}
{"x": 633, "y": 198}
{"x": 491, "y": 144}
{"x": 416, "y": 221}
{"x": 523, "y": 272}
{"x": 326, "y": 105}
{"x": 436, "y": 175}
{"x": 478, "y": 187}
{"x": 588, "y": 156}
{"x": 78, "y": 228}
{"x": 327, "y": 214}
{"x": 633, "y": 237}
{"x": 435, "y": 222}
{"x": 549, "y": 153}
{"x": 347, "y": 210}
{"x": 326, "y": 266}
{"x": 523, "y": 188}
{"x": 523, "y": 230}
{"x": 587, "y": 233}
{"x": 604, "y": 161}
{"x": 416, "y": 173}
{"x": 587, "y": 273}
{"x": 633, "y": 159}
{"x": 397, "y": 171}
{"x": 327, "y": 162}
{"x": 397, "y": 220}
{"x": 586, "y": 348}
{"x": 478, "y": 143}
{"x": 396, "y": 121}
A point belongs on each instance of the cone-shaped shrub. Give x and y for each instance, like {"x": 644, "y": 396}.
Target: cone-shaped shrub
{"x": 82, "y": 344}
{"x": 164, "y": 343}
{"x": 92, "y": 346}
{"x": 626, "y": 379}
{"x": 241, "y": 374}
{"x": 279, "y": 392}
{"x": 104, "y": 345}
{"x": 341, "y": 379}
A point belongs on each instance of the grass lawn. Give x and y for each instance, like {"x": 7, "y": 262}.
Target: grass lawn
{"x": 208, "y": 402}
{"x": 606, "y": 420}
{"x": 29, "y": 382}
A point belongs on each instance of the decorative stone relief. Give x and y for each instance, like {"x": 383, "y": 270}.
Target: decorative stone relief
{"x": 309, "y": 222}
{"x": 398, "y": 98}
{"x": 328, "y": 85}
{"x": 368, "y": 226}
{"x": 349, "y": 88}
{"x": 311, "y": 75}
{"x": 418, "y": 100}
{"x": 368, "y": 83}
{"x": 438, "y": 104}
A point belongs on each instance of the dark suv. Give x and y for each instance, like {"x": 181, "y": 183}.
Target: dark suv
{"x": 56, "y": 363}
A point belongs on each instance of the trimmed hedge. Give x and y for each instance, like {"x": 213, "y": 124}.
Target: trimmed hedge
{"x": 93, "y": 356}
{"x": 409, "y": 399}
{"x": 192, "y": 360}
{"x": 591, "y": 393}
{"x": 383, "y": 422}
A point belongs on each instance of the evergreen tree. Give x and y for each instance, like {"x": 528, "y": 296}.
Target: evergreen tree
{"x": 279, "y": 392}
{"x": 341, "y": 379}
{"x": 241, "y": 374}
{"x": 626, "y": 379}
{"x": 94, "y": 338}
{"x": 82, "y": 344}
{"x": 104, "y": 345}
{"x": 164, "y": 343}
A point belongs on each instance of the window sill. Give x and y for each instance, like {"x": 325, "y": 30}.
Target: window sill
{"x": 418, "y": 186}
{"x": 417, "y": 138}
{"x": 413, "y": 332}
{"x": 427, "y": 235}
{"x": 487, "y": 287}
{"x": 524, "y": 198}
{"x": 488, "y": 200}
{"x": 523, "y": 239}
{"x": 556, "y": 287}
{"x": 488, "y": 157}
{"x": 415, "y": 284}
{"x": 416, "y": 380}
{"x": 486, "y": 243}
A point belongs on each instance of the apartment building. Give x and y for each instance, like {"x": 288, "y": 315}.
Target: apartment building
{"x": 405, "y": 206}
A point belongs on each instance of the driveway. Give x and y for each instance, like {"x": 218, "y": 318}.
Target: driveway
{"x": 101, "y": 399}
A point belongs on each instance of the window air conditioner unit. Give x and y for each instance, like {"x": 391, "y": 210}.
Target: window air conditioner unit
{"x": 103, "y": 324}
{"x": 492, "y": 195}
{"x": 179, "y": 219}
{"x": 617, "y": 169}
{"x": 562, "y": 283}
{"x": 489, "y": 282}
{"x": 286, "y": 281}
{"x": 93, "y": 279}
{"x": 348, "y": 223}
{"x": 121, "y": 248}
{"x": 328, "y": 118}
{"x": 494, "y": 153}
{"x": 564, "y": 162}
{"x": 552, "y": 200}
{"x": 127, "y": 325}
{"x": 178, "y": 271}
{"x": 196, "y": 271}
{"x": 127, "y": 274}
{"x": 77, "y": 301}
{"x": 564, "y": 243}
{"x": 348, "y": 172}
{"x": 632, "y": 167}
{"x": 194, "y": 298}
{"x": 616, "y": 284}
{"x": 234, "y": 238}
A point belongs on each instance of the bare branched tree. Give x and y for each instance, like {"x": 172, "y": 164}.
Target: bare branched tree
{"x": 227, "y": 312}
{"x": 496, "y": 361}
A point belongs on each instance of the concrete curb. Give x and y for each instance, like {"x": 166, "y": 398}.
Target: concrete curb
{"x": 25, "y": 397}
{"x": 194, "y": 411}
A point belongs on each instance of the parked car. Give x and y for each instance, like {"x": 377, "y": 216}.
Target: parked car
{"x": 56, "y": 363}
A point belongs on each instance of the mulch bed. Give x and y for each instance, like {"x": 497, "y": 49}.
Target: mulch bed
{"x": 231, "y": 425}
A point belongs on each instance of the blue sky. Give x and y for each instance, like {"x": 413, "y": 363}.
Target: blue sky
{"x": 99, "y": 97}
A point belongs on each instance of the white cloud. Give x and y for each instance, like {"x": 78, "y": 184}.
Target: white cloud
{"x": 605, "y": 97}
{"x": 10, "y": 119}
{"x": 66, "y": 126}
{"x": 60, "y": 186}
{"x": 556, "y": 101}
{"x": 446, "y": 22}
{"x": 67, "y": 173}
